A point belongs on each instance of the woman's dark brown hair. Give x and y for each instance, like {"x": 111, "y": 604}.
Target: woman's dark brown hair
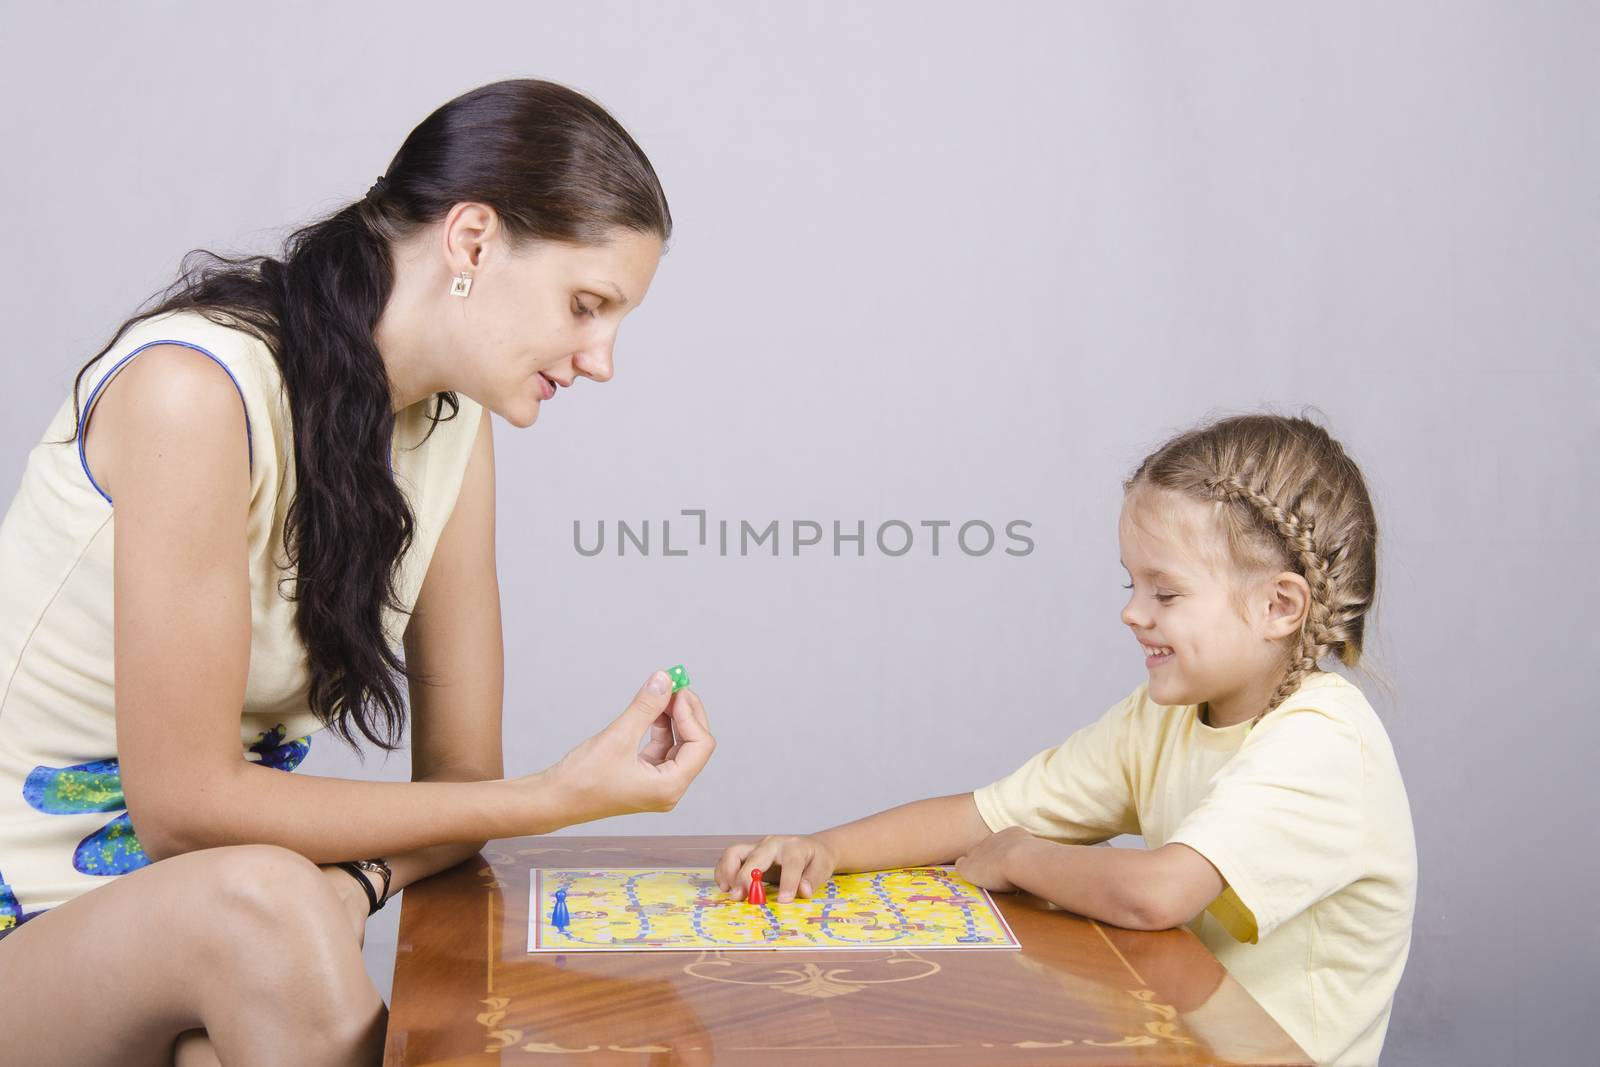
{"x": 555, "y": 166}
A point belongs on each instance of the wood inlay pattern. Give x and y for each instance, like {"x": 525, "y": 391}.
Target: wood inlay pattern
{"x": 467, "y": 992}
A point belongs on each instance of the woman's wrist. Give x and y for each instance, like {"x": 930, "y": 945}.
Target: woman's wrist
{"x": 373, "y": 891}
{"x": 548, "y": 800}
{"x": 350, "y": 893}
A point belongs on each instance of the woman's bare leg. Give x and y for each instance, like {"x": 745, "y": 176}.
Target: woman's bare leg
{"x": 248, "y": 944}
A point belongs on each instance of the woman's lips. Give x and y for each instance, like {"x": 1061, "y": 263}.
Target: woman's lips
{"x": 549, "y": 387}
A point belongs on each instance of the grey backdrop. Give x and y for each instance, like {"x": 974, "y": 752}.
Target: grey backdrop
{"x": 956, "y": 262}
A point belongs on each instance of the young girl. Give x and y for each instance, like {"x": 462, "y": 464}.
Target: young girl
{"x": 1266, "y": 790}
{"x": 275, "y": 480}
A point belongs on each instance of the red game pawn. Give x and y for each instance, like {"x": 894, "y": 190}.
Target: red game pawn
{"x": 757, "y": 894}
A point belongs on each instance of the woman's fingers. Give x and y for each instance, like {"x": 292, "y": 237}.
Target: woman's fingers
{"x": 684, "y": 702}
{"x": 646, "y": 757}
{"x": 647, "y": 706}
{"x": 694, "y": 747}
{"x": 662, "y": 743}
{"x": 666, "y": 740}
{"x": 697, "y": 708}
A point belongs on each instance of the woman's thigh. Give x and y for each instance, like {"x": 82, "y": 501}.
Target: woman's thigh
{"x": 248, "y": 943}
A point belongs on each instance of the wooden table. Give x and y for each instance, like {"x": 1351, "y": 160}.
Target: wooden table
{"x": 466, "y": 991}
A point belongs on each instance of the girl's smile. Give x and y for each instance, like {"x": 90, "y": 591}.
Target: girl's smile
{"x": 1156, "y": 655}
{"x": 1209, "y": 631}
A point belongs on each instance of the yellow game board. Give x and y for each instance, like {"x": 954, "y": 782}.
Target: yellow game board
{"x": 681, "y": 908}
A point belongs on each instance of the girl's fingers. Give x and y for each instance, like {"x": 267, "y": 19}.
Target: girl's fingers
{"x": 759, "y": 859}
{"x": 789, "y": 881}
{"x": 815, "y": 876}
{"x": 728, "y": 866}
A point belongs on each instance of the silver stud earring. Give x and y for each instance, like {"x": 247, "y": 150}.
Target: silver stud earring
{"x": 461, "y": 284}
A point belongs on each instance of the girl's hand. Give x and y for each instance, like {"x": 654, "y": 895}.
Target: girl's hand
{"x": 610, "y": 774}
{"x": 805, "y": 865}
{"x": 350, "y": 895}
{"x": 990, "y": 863}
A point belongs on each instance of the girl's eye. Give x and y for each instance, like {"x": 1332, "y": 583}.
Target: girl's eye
{"x": 1166, "y": 598}
{"x": 1128, "y": 586}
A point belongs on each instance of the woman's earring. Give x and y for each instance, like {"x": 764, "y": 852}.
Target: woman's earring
{"x": 461, "y": 284}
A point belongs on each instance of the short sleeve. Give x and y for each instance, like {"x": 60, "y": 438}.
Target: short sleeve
{"x": 1284, "y": 819}
{"x": 1079, "y": 792}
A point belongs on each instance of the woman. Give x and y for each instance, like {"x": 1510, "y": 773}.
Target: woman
{"x": 269, "y": 557}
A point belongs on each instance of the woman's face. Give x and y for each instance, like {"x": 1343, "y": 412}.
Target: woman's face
{"x": 541, "y": 316}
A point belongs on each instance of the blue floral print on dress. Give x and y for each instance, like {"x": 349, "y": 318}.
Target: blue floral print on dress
{"x": 97, "y": 786}
{"x": 11, "y": 913}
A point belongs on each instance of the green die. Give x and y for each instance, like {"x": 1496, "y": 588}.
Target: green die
{"x": 679, "y": 676}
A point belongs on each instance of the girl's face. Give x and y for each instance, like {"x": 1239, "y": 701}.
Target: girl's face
{"x": 547, "y": 314}
{"x": 1208, "y": 634}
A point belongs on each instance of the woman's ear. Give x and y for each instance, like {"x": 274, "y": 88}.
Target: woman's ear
{"x": 467, "y": 230}
{"x": 1288, "y": 600}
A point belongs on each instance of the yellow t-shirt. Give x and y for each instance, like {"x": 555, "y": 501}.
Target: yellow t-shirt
{"x": 1305, "y": 816}
{"x": 63, "y": 824}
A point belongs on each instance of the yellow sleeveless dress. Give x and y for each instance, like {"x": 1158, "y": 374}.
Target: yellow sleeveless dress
{"x": 64, "y": 828}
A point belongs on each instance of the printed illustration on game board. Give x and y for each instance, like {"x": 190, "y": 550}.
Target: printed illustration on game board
{"x": 637, "y": 909}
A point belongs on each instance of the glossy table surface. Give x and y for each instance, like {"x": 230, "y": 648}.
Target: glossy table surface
{"x": 466, "y": 991}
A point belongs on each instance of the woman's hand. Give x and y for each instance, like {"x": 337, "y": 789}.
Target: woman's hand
{"x": 610, "y": 774}
{"x": 804, "y": 864}
{"x": 350, "y": 895}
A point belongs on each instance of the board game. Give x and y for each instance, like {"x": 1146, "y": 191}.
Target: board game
{"x": 681, "y": 908}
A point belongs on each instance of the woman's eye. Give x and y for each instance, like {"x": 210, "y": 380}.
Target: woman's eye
{"x": 578, "y": 308}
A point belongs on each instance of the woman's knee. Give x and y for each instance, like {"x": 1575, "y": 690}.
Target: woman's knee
{"x": 272, "y": 910}
{"x": 260, "y": 883}
{"x": 245, "y": 893}
{"x": 281, "y": 933}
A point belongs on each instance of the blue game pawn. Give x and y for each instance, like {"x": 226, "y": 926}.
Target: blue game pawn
{"x": 558, "y": 915}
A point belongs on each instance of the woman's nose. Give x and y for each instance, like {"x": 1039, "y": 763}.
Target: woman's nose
{"x": 594, "y": 363}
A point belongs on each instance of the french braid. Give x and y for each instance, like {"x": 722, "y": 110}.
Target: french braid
{"x": 1287, "y": 496}
{"x": 1299, "y": 538}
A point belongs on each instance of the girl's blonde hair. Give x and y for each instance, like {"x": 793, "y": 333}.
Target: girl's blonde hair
{"x": 1286, "y": 497}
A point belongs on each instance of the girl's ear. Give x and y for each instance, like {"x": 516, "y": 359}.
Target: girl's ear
{"x": 1288, "y": 600}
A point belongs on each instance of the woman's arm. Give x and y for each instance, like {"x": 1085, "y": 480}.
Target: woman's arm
{"x": 454, "y": 640}
{"x": 176, "y": 465}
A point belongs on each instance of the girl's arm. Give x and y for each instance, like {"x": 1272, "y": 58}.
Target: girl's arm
{"x": 1141, "y": 889}
{"x": 936, "y": 830}
{"x": 176, "y": 465}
